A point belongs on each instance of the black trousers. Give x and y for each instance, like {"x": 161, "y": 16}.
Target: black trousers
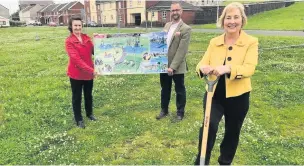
{"x": 180, "y": 90}
{"x": 77, "y": 87}
{"x": 234, "y": 109}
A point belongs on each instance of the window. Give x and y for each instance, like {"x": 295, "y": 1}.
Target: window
{"x": 2, "y": 22}
{"x": 164, "y": 14}
{"x": 130, "y": 2}
{"x": 98, "y": 7}
{"x": 152, "y": 14}
{"x": 119, "y": 4}
{"x": 138, "y": 2}
{"x": 99, "y": 18}
{"x": 120, "y": 18}
{"x": 112, "y": 17}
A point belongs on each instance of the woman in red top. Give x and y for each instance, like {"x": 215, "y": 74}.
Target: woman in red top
{"x": 79, "y": 48}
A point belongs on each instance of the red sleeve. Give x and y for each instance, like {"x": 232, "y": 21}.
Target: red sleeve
{"x": 91, "y": 43}
{"x": 76, "y": 59}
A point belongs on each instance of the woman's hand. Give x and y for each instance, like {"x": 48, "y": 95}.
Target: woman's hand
{"x": 170, "y": 72}
{"x": 206, "y": 69}
{"x": 220, "y": 70}
{"x": 95, "y": 74}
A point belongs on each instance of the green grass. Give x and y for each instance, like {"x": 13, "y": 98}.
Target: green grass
{"x": 289, "y": 18}
{"x": 36, "y": 125}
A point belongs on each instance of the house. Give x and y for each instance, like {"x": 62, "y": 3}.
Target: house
{"x": 87, "y": 9}
{"x": 28, "y": 9}
{"x": 92, "y": 10}
{"x": 4, "y": 22}
{"x": 4, "y": 12}
{"x": 123, "y": 13}
{"x": 60, "y": 13}
{"x": 137, "y": 13}
{"x": 98, "y": 11}
{"x": 161, "y": 12}
{"x": 50, "y": 13}
{"x": 29, "y": 13}
{"x": 25, "y": 3}
{"x": 110, "y": 12}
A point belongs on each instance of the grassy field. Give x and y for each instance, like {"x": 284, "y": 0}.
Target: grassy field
{"x": 36, "y": 125}
{"x": 289, "y": 18}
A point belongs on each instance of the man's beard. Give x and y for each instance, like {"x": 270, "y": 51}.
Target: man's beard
{"x": 175, "y": 17}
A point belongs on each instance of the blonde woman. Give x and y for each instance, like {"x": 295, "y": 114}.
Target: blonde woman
{"x": 233, "y": 57}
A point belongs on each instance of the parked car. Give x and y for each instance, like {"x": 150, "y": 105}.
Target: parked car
{"x": 34, "y": 23}
{"x": 52, "y": 24}
{"x": 92, "y": 24}
{"x": 30, "y": 23}
{"x": 37, "y": 23}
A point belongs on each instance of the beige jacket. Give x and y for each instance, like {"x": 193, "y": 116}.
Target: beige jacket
{"x": 178, "y": 47}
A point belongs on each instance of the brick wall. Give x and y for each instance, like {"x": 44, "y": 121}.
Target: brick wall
{"x": 87, "y": 10}
{"x": 75, "y": 10}
{"x": 123, "y": 12}
{"x": 98, "y": 10}
{"x": 151, "y": 3}
{"x": 188, "y": 17}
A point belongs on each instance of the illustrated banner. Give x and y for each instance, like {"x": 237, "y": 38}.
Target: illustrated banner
{"x": 131, "y": 53}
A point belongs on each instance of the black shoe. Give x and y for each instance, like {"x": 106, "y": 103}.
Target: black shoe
{"x": 92, "y": 118}
{"x": 179, "y": 117}
{"x": 161, "y": 115}
{"x": 80, "y": 124}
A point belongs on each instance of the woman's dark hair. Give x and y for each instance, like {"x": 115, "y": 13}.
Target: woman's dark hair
{"x": 71, "y": 21}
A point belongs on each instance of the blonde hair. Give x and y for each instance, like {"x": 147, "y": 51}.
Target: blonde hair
{"x": 233, "y": 5}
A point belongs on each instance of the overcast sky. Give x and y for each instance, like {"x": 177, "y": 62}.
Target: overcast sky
{"x": 12, "y": 5}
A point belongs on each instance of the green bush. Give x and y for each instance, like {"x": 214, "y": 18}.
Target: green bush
{"x": 16, "y": 23}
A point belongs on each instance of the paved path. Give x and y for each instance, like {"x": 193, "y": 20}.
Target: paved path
{"x": 252, "y": 32}
{"x": 258, "y": 32}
